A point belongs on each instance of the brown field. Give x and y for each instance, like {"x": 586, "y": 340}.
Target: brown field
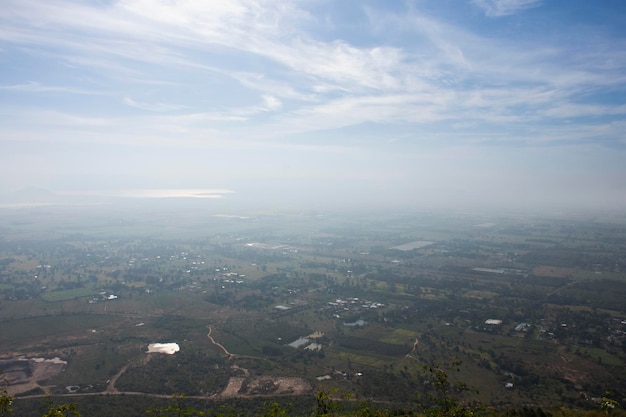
{"x": 268, "y": 385}
{"x": 553, "y": 271}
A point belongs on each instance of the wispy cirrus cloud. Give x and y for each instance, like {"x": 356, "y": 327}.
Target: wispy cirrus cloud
{"x": 498, "y": 8}
{"x": 446, "y": 73}
{"x": 35, "y": 87}
{"x": 153, "y": 107}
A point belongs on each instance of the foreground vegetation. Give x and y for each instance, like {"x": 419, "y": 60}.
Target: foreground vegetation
{"x": 447, "y": 402}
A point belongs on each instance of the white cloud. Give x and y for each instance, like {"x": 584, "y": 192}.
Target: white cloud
{"x": 153, "y": 107}
{"x": 498, "y": 8}
{"x": 272, "y": 103}
{"x": 262, "y": 82}
{"x": 35, "y": 87}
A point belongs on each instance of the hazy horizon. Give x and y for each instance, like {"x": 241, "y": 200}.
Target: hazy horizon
{"x": 275, "y": 201}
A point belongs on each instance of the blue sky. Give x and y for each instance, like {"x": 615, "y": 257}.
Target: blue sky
{"x": 459, "y": 103}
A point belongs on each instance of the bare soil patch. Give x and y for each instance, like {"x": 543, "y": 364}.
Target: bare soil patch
{"x": 553, "y": 271}
{"x": 265, "y": 386}
{"x": 26, "y": 375}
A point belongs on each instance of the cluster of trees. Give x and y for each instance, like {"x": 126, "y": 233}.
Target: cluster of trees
{"x": 193, "y": 372}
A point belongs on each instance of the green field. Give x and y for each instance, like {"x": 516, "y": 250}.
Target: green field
{"x": 68, "y": 294}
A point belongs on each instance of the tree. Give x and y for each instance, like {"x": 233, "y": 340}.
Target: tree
{"x": 607, "y": 403}
{"x": 445, "y": 402}
{"x": 63, "y": 410}
{"x": 274, "y": 409}
{"x": 176, "y": 409}
{"x": 6, "y": 401}
{"x": 325, "y": 404}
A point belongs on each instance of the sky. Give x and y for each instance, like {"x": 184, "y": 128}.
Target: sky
{"x": 440, "y": 103}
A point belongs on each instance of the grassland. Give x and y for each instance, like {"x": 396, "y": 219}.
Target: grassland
{"x": 68, "y": 294}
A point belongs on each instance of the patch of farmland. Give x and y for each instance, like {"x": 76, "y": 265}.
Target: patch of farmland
{"x": 68, "y": 294}
{"x": 371, "y": 345}
{"x": 38, "y": 329}
{"x": 418, "y": 244}
{"x": 363, "y": 360}
{"x": 480, "y": 295}
{"x": 553, "y": 271}
{"x": 400, "y": 337}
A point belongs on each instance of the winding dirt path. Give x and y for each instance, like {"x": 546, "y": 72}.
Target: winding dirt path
{"x": 111, "y": 385}
{"x": 230, "y": 355}
{"x": 410, "y": 354}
